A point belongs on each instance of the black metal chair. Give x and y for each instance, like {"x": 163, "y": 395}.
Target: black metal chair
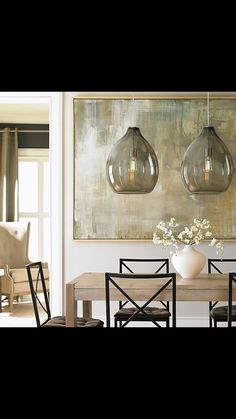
{"x": 231, "y": 307}
{"x": 134, "y": 265}
{"x": 141, "y": 312}
{"x": 41, "y": 305}
{"x": 220, "y": 313}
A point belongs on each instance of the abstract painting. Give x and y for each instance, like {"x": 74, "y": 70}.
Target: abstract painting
{"x": 169, "y": 125}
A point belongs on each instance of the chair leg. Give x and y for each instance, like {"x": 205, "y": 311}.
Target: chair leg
{"x": 10, "y": 302}
{"x": 120, "y": 323}
{"x": 210, "y": 319}
{"x": 115, "y": 323}
{"x": 215, "y": 323}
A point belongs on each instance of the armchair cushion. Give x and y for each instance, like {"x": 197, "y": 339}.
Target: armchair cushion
{"x": 22, "y": 288}
{"x": 20, "y": 275}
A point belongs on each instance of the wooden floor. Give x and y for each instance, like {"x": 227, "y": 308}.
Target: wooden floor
{"x": 21, "y": 316}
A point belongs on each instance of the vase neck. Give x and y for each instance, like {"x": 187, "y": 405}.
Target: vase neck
{"x": 188, "y": 247}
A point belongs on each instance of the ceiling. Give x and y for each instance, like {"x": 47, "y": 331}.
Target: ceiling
{"x": 25, "y": 113}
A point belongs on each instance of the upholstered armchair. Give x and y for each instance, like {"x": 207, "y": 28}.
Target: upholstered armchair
{"x": 14, "y": 241}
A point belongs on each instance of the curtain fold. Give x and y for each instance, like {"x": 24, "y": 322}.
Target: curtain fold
{"x": 9, "y": 175}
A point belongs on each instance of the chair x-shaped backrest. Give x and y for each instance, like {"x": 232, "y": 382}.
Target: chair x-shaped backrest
{"x": 212, "y": 266}
{"x": 170, "y": 279}
{"x": 156, "y": 266}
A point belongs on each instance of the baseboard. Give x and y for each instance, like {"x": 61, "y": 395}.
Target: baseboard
{"x": 180, "y": 322}
{"x": 197, "y": 321}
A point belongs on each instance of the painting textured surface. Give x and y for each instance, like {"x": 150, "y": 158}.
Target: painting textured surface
{"x": 169, "y": 125}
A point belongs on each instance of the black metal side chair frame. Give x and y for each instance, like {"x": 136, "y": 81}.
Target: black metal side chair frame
{"x": 211, "y": 265}
{"x": 109, "y": 278}
{"x": 123, "y": 264}
{"x": 38, "y": 286}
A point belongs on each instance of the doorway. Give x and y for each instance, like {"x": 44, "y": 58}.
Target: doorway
{"x": 51, "y": 101}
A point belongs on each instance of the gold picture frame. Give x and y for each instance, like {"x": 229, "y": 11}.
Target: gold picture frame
{"x": 169, "y": 124}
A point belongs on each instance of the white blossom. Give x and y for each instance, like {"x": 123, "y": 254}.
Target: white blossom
{"x": 171, "y": 233}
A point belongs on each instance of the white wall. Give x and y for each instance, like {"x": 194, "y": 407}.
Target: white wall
{"x": 79, "y": 257}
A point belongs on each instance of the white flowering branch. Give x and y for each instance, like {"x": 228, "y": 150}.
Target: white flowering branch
{"x": 170, "y": 234}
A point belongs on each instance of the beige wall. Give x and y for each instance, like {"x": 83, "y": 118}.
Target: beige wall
{"x": 24, "y": 113}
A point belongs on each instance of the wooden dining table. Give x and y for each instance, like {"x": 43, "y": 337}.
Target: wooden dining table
{"x": 90, "y": 286}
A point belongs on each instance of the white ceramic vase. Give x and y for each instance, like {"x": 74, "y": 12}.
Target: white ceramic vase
{"x": 188, "y": 262}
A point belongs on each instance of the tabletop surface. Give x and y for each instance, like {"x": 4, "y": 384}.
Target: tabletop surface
{"x": 203, "y": 281}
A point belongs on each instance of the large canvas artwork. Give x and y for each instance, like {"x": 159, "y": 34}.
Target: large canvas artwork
{"x": 169, "y": 125}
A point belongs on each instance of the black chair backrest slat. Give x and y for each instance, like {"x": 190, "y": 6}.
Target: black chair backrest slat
{"x": 37, "y": 287}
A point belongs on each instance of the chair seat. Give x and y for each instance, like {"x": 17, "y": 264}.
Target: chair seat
{"x": 221, "y": 313}
{"x": 60, "y": 321}
{"x": 153, "y": 312}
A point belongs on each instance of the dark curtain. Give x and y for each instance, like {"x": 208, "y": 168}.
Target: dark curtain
{"x": 9, "y": 175}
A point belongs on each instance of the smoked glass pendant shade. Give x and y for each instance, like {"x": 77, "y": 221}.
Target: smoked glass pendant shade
{"x": 132, "y": 166}
{"x": 207, "y": 166}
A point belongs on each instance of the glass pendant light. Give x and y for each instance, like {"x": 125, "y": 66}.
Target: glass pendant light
{"x": 207, "y": 166}
{"x": 132, "y": 166}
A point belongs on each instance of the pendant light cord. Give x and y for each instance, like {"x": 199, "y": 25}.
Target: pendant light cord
{"x": 208, "y": 109}
{"x": 132, "y": 114}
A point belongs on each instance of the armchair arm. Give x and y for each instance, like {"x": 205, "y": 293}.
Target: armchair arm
{"x": 5, "y": 268}
{"x": 6, "y": 280}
